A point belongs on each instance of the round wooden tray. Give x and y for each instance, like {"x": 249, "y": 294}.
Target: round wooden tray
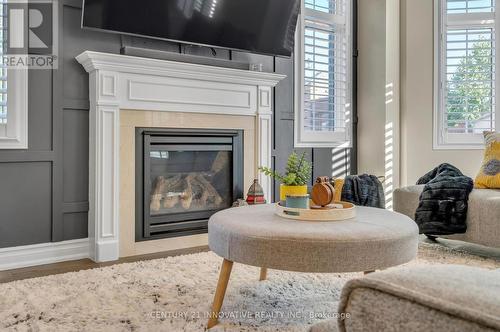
{"x": 339, "y": 211}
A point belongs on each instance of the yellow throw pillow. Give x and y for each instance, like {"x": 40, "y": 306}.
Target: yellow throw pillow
{"x": 491, "y": 136}
{"x": 489, "y": 175}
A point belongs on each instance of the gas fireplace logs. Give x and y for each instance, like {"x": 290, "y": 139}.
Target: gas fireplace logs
{"x": 192, "y": 190}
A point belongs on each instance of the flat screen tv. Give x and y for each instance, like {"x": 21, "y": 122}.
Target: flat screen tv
{"x": 258, "y": 26}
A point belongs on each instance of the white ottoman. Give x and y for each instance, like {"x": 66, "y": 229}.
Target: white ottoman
{"x": 254, "y": 235}
{"x": 422, "y": 298}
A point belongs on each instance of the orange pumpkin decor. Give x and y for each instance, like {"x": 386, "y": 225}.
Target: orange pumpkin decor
{"x": 323, "y": 192}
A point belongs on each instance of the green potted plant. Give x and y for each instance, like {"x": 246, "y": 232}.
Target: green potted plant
{"x": 294, "y": 180}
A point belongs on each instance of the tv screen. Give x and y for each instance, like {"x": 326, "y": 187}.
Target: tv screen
{"x": 259, "y": 26}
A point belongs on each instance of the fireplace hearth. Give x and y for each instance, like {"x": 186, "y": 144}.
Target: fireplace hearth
{"x": 183, "y": 176}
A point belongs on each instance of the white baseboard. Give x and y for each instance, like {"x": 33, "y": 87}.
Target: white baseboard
{"x": 44, "y": 253}
{"x": 106, "y": 251}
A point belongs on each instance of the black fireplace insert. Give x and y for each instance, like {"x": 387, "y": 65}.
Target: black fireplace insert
{"x": 183, "y": 176}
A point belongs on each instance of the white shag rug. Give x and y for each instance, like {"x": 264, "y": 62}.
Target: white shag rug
{"x": 175, "y": 294}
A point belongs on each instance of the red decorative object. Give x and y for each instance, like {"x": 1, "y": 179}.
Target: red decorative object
{"x": 255, "y": 194}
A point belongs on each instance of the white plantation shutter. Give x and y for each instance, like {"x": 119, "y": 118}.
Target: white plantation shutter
{"x": 3, "y": 70}
{"x": 323, "y": 71}
{"x": 13, "y": 93}
{"x": 466, "y": 60}
{"x": 470, "y": 6}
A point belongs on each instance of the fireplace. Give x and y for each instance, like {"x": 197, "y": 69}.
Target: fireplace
{"x": 183, "y": 176}
{"x": 128, "y": 92}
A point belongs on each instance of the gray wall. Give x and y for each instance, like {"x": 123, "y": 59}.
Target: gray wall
{"x": 44, "y": 190}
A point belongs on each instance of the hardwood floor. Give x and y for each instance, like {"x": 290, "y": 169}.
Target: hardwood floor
{"x": 85, "y": 264}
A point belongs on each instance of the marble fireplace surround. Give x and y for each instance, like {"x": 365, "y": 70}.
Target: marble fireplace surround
{"x": 128, "y": 92}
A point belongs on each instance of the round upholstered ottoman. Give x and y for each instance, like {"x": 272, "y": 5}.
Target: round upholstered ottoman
{"x": 254, "y": 235}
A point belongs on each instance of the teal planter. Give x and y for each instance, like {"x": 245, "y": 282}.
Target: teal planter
{"x": 297, "y": 202}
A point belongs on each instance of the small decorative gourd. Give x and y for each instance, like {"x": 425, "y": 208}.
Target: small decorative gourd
{"x": 323, "y": 192}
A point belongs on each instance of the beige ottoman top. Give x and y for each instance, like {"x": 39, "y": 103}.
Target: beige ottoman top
{"x": 254, "y": 235}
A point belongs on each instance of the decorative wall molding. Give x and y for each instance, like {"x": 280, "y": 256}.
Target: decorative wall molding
{"x": 120, "y": 82}
{"x": 45, "y": 253}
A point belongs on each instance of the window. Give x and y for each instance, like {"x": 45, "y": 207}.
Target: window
{"x": 466, "y": 77}
{"x": 3, "y": 70}
{"x": 323, "y": 74}
{"x": 13, "y": 95}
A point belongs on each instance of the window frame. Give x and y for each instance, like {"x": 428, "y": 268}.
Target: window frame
{"x": 465, "y": 21}
{"x": 303, "y": 139}
{"x": 14, "y": 133}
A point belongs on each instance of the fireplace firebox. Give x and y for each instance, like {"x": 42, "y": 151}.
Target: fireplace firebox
{"x": 183, "y": 176}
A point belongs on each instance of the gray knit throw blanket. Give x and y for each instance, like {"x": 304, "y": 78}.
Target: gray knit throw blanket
{"x": 364, "y": 190}
{"x": 443, "y": 203}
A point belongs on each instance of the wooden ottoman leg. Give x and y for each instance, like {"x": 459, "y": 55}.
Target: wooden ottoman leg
{"x": 263, "y": 273}
{"x": 225, "y": 273}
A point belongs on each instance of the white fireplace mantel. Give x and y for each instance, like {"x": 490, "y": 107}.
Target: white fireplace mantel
{"x": 119, "y": 82}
